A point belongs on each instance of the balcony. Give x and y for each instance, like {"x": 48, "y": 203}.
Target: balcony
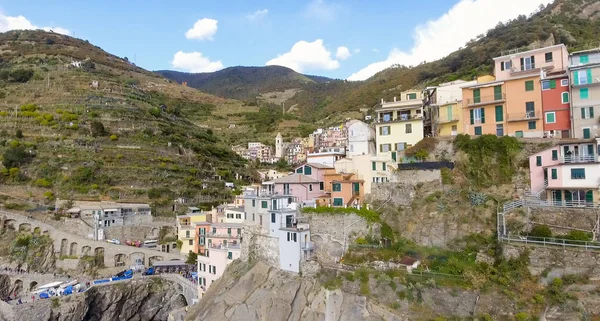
{"x": 593, "y": 59}
{"x": 235, "y": 246}
{"x": 307, "y": 246}
{"x": 298, "y": 224}
{"x": 593, "y": 82}
{"x": 223, "y": 235}
{"x": 578, "y": 159}
{"x": 448, "y": 119}
{"x": 400, "y": 118}
{"x": 526, "y": 116}
{"x": 486, "y": 100}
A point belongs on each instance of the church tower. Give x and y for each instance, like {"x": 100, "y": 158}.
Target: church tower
{"x": 278, "y": 146}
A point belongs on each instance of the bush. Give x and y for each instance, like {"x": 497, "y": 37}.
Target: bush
{"x": 42, "y": 182}
{"x": 541, "y": 231}
{"x": 114, "y": 137}
{"x": 522, "y": 316}
{"x": 28, "y": 107}
{"x": 19, "y": 133}
{"x": 578, "y": 236}
{"x": 21, "y": 75}
{"x": 15, "y": 156}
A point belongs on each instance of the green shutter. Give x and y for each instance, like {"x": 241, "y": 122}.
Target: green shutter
{"x": 582, "y": 112}
{"x": 555, "y": 155}
{"x": 476, "y": 96}
{"x": 589, "y": 76}
{"x": 583, "y": 93}
{"x": 554, "y": 173}
{"x": 590, "y": 150}
{"x": 383, "y": 166}
{"x": 374, "y": 165}
{"x": 483, "y": 115}
{"x": 394, "y": 156}
{"x": 584, "y": 59}
{"x": 553, "y": 84}
{"x": 591, "y": 112}
{"x": 576, "y": 77}
{"x": 586, "y": 133}
{"x": 499, "y": 114}
{"x": 568, "y": 196}
{"x": 472, "y": 117}
{"x": 565, "y": 98}
{"x": 531, "y": 125}
{"x": 478, "y": 131}
{"x": 589, "y": 197}
{"x": 529, "y": 85}
{"x": 538, "y": 161}
{"x": 307, "y": 170}
{"x": 498, "y": 92}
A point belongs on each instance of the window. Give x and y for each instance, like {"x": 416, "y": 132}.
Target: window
{"x": 476, "y": 96}
{"x": 411, "y": 96}
{"x": 273, "y": 218}
{"x": 550, "y": 118}
{"x": 499, "y": 113}
{"x": 587, "y": 133}
{"x": 477, "y": 116}
{"x": 253, "y": 203}
{"x": 384, "y": 148}
{"x": 531, "y": 125}
{"x": 228, "y": 231}
{"x": 253, "y": 217}
{"x": 519, "y": 134}
{"x": 384, "y": 130}
{"x": 214, "y": 230}
{"x": 299, "y": 170}
{"x": 264, "y": 204}
{"x": 565, "y": 98}
{"x": 583, "y": 93}
{"x": 202, "y": 240}
{"x": 505, "y": 65}
{"x": 587, "y": 112}
{"x": 529, "y": 85}
{"x": 191, "y": 242}
{"x": 383, "y": 166}
{"x": 238, "y": 216}
{"x": 555, "y": 155}
{"x": 577, "y": 173}
{"x": 310, "y": 187}
{"x": 374, "y": 165}
{"x": 548, "y": 57}
{"x": 584, "y": 59}
{"x": 260, "y": 219}
{"x": 338, "y": 201}
{"x": 498, "y": 92}
{"x": 187, "y": 234}
{"x": 545, "y": 85}
{"x": 582, "y": 77}
{"x": 321, "y": 186}
{"x": 230, "y": 255}
{"x": 529, "y": 109}
{"x": 538, "y": 161}
{"x": 400, "y": 146}
{"x": 337, "y": 187}
{"x": 499, "y": 130}
{"x": 478, "y": 131}
{"x": 564, "y": 82}
{"x": 554, "y": 173}
{"x": 307, "y": 170}
{"x": 528, "y": 63}
{"x": 408, "y": 128}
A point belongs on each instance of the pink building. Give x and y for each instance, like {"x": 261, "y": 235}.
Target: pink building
{"x": 302, "y": 187}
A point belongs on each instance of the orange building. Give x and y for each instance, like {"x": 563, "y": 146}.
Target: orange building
{"x": 556, "y": 106}
{"x": 484, "y": 107}
{"x": 344, "y": 190}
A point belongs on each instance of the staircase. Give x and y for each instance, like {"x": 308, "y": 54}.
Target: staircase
{"x": 538, "y": 194}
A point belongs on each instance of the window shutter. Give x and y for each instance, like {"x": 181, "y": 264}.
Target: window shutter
{"x": 472, "y": 117}
{"x": 533, "y": 61}
{"x": 582, "y": 113}
{"x": 502, "y": 66}
{"x": 380, "y": 130}
{"x": 483, "y": 115}
{"x": 554, "y": 155}
{"x": 522, "y": 63}
{"x": 553, "y": 84}
{"x": 589, "y": 76}
{"x": 591, "y": 112}
{"x": 499, "y": 114}
{"x": 576, "y": 76}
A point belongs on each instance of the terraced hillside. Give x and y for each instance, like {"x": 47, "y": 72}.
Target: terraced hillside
{"x": 77, "y": 121}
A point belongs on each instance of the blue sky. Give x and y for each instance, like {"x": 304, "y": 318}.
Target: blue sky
{"x": 307, "y": 35}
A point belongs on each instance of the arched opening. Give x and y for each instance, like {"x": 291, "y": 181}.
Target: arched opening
{"x": 99, "y": 256}
{"x": 182, "y": 298}
{"x": 64, "y": 244}
{"x": 17, "y": 288}
{"x": 153, "y": 259}
{"x": 37, "y": 230}
{"x": 9, "y": 223}
{"x": 32, "y": 285}
{"x": 73, "y": 249}
{"x": 137, "y": 258}
{"x": 25, "y": 227}
{"x": 86, "y": 250}
{"x": 153, "y": 233}
{"x": 120, "y": 259}
{"x": 334, "y": 249}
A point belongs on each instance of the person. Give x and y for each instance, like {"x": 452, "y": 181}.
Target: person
{"x": 20, "y": 302}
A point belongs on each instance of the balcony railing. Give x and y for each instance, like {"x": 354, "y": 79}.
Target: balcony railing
{"x": 528, "y": 115}
{"x": 578, "y": 159}
{"x": 299, "y": 224}
{"x": 447, "y": 119}
{"x": 399, "y": 118}
{"x": 593, "y": 82}
{"x": 525, "y": 67}
{"x": 484, "y": 100}
{"x": 223, "y": 234}
{"x": 307, "y": 246}
{"x": 220, "y": 246}
{"x": 591, "y": 60}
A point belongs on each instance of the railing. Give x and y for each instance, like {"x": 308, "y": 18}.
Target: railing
{"x": 550, "y": 241}
{"x": 528, "y": 115}
{"x": 578, "y": 159}
{"x": 446, "y": 119}
{"x": 486, "y": 99}
{"x": 593, "y": 81}
{"x": 300, "y": 226}
{"x": 223, "y": 234}
{"x": 228, "y": 246}
{"x": 307, "y": 245}
{"x": 399, "y": 118}
{"x": 515, "y": 51}
{"x": 525, "y": 67}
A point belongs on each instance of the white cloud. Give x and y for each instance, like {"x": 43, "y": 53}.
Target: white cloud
{"x": 203, "y": 29}
{"x": 375, "y": 50}
{"x": 258, "y": 14}
{"x": 19, "y": 23}
{"x": 195, "y": 62}
{"x": 306, "y": 56}
{"x": 320, "y": 10}
{"x": 356, "y": 50}
{"x": 463, "y": 22}
{"x": 342, "y": 53}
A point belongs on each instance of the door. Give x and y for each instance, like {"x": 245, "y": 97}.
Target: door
{"x": 589, "y": 197}
{"x": 476, "y": 96}
{"x": 557, "y": 197}
{"x": 578, "y": 197}
{"x": 499, "y": 130}
{"x": 356, "y": 188}
{"x": 545, "y": 174}
{"x": 449, "y": 113}
{"x": 454, "y": 130}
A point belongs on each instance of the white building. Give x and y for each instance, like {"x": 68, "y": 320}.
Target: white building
{"x": 327, "y": 156}
{"x": 294, "y": 243}
{"x": 360, "y": 136}
{"x": 372, "y": 169}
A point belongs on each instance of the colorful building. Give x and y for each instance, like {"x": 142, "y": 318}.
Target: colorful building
{"x": 484, "y": 107}
{"x": 567, "y": 174}
{"x": 360, "y": 136}
{"x": 584, "y": 67}
{"x": 372, "y": 169}
{"x": 344, "y": 190}
{"x": 446, "y": 108}
{"x": 186, "y": 227}
{"x": 556, "y": 105}
{"x": 520, "y": 70}
{"x": 399, "y": 123}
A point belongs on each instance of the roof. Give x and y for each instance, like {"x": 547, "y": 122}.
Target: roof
{"x": 235, "y": 209}
{"x": 407, "y": 260}
{"x": 318, "y": 165}
{"x": 295, "y": 178}
{"x": 485, "y": 84}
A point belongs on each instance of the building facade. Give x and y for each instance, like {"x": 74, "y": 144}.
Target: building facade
{"x": 360, "y": 136}
{"x": 372, "y": 169}
{"x": 484, "y": 107}
{"x": 584, "y": 68}
{"x": 447, "y": 108}
{"x": 399, "y": 123}
{"x": 556, "y": 105}
{"x": 186, "y": 227}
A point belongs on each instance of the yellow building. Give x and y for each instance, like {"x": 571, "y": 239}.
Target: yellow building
{"x": 484, "y": 107}
{"x": 450, "y": 120}
{"x": 399, "y": 123}
{"x": 186, "y": 227}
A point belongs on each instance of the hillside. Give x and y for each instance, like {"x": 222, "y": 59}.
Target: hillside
{"x": 79, "y": 122}
{"x": 244, "y": 83}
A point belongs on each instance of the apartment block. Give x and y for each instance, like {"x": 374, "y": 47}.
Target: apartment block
{"x": 446, "y": 107}
{"x": 556, "y": 105}
{"x": 484, "y": 107}
{"x": 584, "y": 68}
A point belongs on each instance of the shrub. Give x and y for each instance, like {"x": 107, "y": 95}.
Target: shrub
{"x": 19, "y": 133}
{"x": 578, "y": 236}
{"x": 21, "y": 75}
{"x": 15, "y": 156}
{"x": 541, "y": 231}
{"x": 42, "y": 182}
{"x": 522, "y": 316}
{"x": 114, "y": 137}
{"x": 28, "y": 107}
{"x": 49, "y": 195}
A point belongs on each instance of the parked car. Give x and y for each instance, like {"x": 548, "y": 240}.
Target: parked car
{"x": 114, "y": 241}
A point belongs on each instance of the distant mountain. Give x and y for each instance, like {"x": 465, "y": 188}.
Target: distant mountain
{"x": 244, "y": 83}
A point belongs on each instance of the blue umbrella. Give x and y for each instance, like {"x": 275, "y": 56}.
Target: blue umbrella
{"x": 44, "y": 295}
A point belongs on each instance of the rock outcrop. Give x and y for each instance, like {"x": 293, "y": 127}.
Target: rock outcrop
{"x": 138, "y": 300}
{"x": 266, "y": 293}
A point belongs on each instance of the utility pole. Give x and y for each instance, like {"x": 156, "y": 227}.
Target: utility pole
{"x": 283, "y": 108}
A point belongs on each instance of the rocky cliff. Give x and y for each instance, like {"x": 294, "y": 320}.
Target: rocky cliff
{"x": 139, "y": 300}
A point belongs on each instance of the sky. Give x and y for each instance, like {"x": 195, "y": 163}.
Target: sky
{"x": 351, "y": 39}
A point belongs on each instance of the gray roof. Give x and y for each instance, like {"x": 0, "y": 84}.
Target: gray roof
{"x": 296, "y": 178}
{"x": 318, "y": 165}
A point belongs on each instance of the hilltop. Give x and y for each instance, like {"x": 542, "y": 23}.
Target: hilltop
{"x": 79, "y": 122}
{"x": 245, "y": 83}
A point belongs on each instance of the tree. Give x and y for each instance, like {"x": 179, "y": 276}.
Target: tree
{"x": 97, "y": 128}
{"x": 192, "y": 258}
{"x": 15, "y": 156}
{"x": 88, "y": 65}
{"x": 19, "y": 133}
{"x": 541, "y": 231}
{"x": 21, "y": 75}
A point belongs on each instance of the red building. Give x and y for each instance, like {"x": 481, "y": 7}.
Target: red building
{"x": 556, "y": 105}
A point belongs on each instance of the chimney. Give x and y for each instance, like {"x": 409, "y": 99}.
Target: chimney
{"x": 394, "y": 98}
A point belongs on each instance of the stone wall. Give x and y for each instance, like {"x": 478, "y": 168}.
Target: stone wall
{"x": 400, "y": 191}
{"x": 84, "y": 227}
{"x": 258, "y": 244}
{"x": 580, "y": 218}
{"x": 560, "y": 261}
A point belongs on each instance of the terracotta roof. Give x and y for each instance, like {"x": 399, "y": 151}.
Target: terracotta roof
{"x": 296, "y": 178}
{"x": 407, "y": 260}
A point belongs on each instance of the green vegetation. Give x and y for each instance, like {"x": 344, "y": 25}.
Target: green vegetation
{"x": 370, "y": 216}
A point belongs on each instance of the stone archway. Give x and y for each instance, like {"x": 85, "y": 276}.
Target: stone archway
{"x": 120, "y": 259}
{"x": 25, "y": 227}
{"x": 17, "y": 288}
{"x": 153, "y": 233}
{"x": 64, "y": 245}
{"x": 86, "y": 250}
{"x": 99, "y": 256}
{"x": 137, "y": 258}
{"x": 153, "y": 259}
{"x": 37, "y": 230}
{"x": 73, "y": 249}
{"x": 32, "y": 285}
{"x": 9, "y": 223}
{"x": 182, "y": 298}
